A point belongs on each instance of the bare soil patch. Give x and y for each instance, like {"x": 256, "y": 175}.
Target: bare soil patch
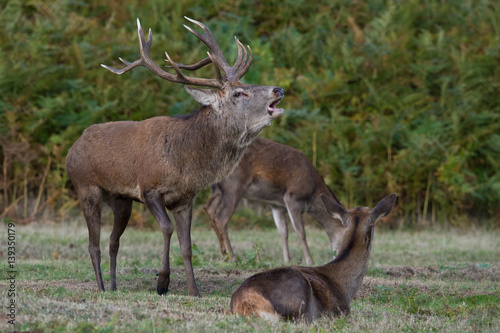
{"x": 475, "y": 272}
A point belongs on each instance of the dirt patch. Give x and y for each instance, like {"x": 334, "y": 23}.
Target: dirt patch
{"x": 474, "y": 272}
{"x": 68, "y": 284}
{"x": 371, "y": 286}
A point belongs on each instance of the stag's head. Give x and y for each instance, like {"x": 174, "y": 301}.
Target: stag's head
{"x": 253, "y": 105}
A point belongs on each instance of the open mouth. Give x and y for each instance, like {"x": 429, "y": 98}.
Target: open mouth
{"x": 273, "y": 110}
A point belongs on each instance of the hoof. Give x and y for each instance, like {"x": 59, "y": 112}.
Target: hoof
{"x": 161, "y": 290}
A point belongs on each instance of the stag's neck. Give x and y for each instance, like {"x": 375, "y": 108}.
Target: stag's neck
{"x": 348, "y": 269}
{"x": 212, "y": 144}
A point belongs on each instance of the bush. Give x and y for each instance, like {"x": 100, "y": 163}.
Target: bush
{"x": 383, "y": 96}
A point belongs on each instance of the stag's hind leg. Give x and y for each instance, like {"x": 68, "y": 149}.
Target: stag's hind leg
{"x": 122, "y": 208}
{"x": 91, "y": 203}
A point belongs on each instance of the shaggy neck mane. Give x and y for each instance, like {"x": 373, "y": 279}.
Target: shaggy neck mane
{"x": 211, "y": 144}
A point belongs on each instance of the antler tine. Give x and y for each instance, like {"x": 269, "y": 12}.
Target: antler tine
{"x": 236, "y": 68}
{"x": 217, "y": 69}
{"x": 209, "y": 40}
{"x": 242, "y": 70}
{"x": 143, "y": 46}
{"x": 146, "y": 61}
{"x": 193, "y": 67}
{"x": 177, "y": 70}
{"x": 241, "y": 55}
{"x": 232, "y": 73}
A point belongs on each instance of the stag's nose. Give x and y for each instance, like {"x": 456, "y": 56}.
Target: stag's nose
{"x": 278, "y": 92}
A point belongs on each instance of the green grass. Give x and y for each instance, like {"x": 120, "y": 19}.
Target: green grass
{"x": 445, "y": 280}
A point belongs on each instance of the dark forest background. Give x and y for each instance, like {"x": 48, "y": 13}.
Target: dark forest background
{"x": 382, "y": 96}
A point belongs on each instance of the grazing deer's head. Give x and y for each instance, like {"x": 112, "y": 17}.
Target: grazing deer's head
{"x": 359, "y": 222}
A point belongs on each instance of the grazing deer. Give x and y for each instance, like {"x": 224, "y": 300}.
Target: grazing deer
{"x": 283, "y": 177}
{"x": 164, "y": 162}
{"x": 310, "y": 292}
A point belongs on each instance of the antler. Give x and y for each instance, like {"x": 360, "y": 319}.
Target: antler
{"x": 234, "y": 73}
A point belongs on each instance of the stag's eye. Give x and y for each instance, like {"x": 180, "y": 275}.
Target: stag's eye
{"x": 238, "y": 94}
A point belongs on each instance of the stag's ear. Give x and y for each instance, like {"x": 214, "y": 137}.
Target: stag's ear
{"x": 334, "y": 209}
{"x": 383, "y": 208}
{"x": 202, "y": 96}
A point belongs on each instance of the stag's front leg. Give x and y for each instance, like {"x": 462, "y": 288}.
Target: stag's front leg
{"x": 155, "y": 205}
{"x": 182, "y": 217}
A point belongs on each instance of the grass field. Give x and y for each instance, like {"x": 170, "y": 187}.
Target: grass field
{"x": 446, "y": 280}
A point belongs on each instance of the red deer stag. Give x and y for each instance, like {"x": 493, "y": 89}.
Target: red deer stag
{"x": 309, "y": 292}
{"x": 283, "y": 177}
{"x": 164, "y": 162}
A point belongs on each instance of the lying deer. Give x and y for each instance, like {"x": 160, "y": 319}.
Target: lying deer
{"x": 164, "y": 162}
{"x": 309, "y": 292}
{"x": 286, "y": 179}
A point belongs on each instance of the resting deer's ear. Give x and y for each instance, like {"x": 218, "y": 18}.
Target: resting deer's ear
{"x": 383, "y": 208}
{"x": 202, "y": 96}
{"x": 334, "y": 209}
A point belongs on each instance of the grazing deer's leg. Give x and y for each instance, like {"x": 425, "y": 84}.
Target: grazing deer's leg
{"x": 183, "y": 223}
{"x": 280, "y": 221}
{"x": 122, "y": 208}
{"x": 294, "y": 209}
{"x": 222, "y": 216}
{"x": 212, "y": 207}
{"x": 91, "y": 202}
{"x": 155, "y": 205}
{"x": 222, "y": 230}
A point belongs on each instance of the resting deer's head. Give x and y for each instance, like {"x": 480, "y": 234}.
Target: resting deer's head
{"x": 359, "y": 222}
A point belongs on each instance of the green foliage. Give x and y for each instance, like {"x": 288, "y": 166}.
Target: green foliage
{"x": 381, "y": 293}
{"x": 383, "y": 96}
{"x": 251, "y": 258}
{"x": 197, "y": 256}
